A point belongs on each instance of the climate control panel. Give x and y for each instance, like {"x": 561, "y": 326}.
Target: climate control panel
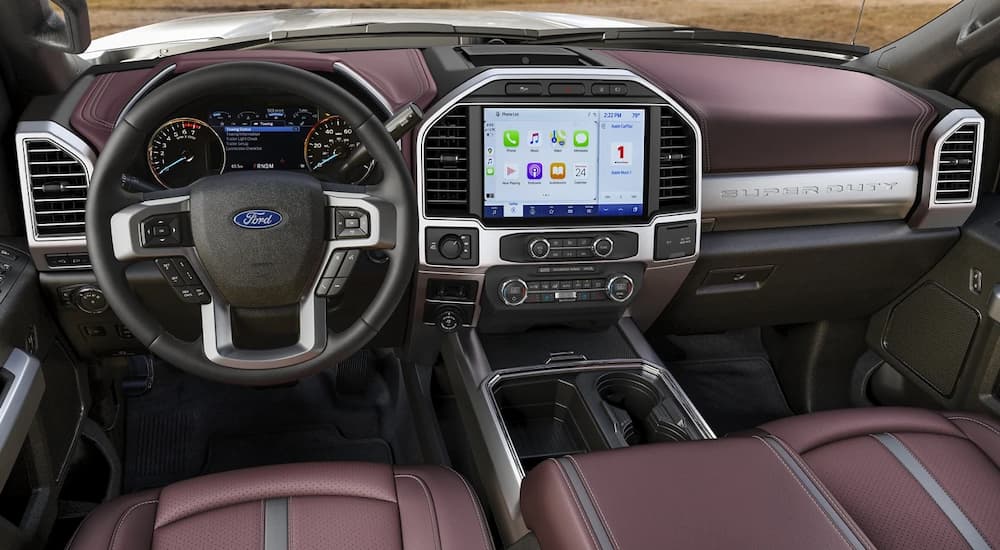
{"x": 516, "y": 291}
{"x": 569, "y": 247}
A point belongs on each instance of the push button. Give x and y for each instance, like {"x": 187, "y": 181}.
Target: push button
{"x": 351, "y": 223}
{"x": 524, "y": 88}
{"x": 161, "y": 231}
{"x": 169, "y": 271}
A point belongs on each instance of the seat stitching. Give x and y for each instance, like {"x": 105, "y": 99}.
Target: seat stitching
{"x": 975, "y": 421}
{"x": 821, "y": 487}
{"x": 436, "y": 531}
{"x": 804, "y": 490}
{"x": 941, "y": 485}
{"x": 121, "y": 520}
{"x": 597, "y": 506}
{"x": 576, "y": 502}
{"x": 475, "y": 505}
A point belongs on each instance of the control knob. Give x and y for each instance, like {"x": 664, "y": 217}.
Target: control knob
{"x": 513, "y": 292}
{"x": 603, "y": 247}
{"x": 539, "y": 248}
{"x": 90, "y": 299}
{"x": 620, "y": 287}
{"x": 450, "y": 247}
{"x": 448, "y": 319}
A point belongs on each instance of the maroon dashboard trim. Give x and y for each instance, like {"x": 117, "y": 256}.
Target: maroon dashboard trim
{"x": 758, "y": 115}
{"x": 399, "y": 75}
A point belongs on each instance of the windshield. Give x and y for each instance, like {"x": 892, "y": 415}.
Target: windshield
{"x": 883, "y": 21}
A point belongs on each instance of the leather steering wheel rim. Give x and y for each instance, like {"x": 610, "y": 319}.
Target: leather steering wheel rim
{"x": 106, "y": 198}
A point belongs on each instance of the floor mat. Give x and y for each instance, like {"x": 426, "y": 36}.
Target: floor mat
{"x": 186, "y": 426}
{"x": 728, "y": 377}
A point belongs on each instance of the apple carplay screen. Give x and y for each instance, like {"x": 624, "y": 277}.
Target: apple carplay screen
{"x": 565, "y": 164}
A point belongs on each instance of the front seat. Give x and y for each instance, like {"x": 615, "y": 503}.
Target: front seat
{"x": 859, "y": 479}
{"x": 329, "y": 506}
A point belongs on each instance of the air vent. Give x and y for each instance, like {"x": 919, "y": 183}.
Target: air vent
{"x": 677, "y": 163}
{"x": 58, "y": 183}
{"x": 957, "y": 170}
{"x": 446, "y": 165}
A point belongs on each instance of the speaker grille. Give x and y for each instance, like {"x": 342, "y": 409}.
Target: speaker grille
{"x": 930, "y": 332}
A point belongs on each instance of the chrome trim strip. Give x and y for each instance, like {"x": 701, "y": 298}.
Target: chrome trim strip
{"x": 353, "y": 75}
{"x": 78, "y": 149}
{"x": 754, "y": 200}
{"x": 938, "y": 494}
{"x": 20, "y": 402}
{"x": 932, "y": 213}
{"x": 157, "y": 79}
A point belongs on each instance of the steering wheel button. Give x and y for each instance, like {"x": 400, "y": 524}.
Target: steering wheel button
{"x": 324, "y": 286}
{"x": 350, "y": 258}
{"x": 337, "y": 286}
{"x": 334, "y": 264}
{"x": 352, "y": 223}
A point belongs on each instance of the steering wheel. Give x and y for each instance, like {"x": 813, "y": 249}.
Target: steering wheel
{"x": 271, "y": 245}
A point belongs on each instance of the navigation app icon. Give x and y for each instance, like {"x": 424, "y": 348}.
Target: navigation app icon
{"x": 558, "y": 138}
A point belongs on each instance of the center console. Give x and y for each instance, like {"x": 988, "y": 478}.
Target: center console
{"x": 554, "y": 196}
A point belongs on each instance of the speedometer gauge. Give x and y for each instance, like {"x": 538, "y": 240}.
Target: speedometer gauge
{"x": 183, "y": 150}
{"x": 328, "y": 144}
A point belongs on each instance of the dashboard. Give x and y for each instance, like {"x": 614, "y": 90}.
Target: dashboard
{"x": 224, "y": 134}
{"x": 547, "y": 195}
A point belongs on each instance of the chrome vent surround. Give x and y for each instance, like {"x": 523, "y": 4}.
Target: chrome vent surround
{"x": 957, "y": 165}
{"x": 446, "y": 165}
{"x": 949, "y": 184}
{"x": 58, "y": 183}
{"x": 677, "y": 181}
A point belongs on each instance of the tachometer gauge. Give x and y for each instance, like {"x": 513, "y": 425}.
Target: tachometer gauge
{"x": 183, "y": 150}
{"x": 328, "y": 144}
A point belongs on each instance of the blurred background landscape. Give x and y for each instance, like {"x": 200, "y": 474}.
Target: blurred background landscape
{"x": 834, "y": 20}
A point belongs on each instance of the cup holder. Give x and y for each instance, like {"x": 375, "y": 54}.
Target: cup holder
{"x": 640, "y": 409}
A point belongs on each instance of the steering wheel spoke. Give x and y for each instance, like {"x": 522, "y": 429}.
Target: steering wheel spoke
{"x": 152, "y": 229}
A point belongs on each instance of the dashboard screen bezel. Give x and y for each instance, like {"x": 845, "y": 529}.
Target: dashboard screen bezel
{"x": 477, "y": 168}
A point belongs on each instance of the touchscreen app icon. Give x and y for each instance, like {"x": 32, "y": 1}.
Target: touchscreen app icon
{"x": 510, "y": 171}
{"x": 490, "y": 171}
{"x": 535, "y": 139}
{"x": 535, "y": 170}
{"x": 581, "y": 138}
{"x": 511, "y": 138}
{"x": 558, "y": 138}
{"x": 557, "y": 170}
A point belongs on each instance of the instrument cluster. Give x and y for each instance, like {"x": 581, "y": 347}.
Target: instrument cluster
{"x": 216, "y": 136}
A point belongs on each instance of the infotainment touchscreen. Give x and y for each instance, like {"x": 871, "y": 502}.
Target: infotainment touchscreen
{"x": 563, "y": 163}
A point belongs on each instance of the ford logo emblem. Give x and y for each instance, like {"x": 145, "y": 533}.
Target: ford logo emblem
{"x": 257, "y": 219}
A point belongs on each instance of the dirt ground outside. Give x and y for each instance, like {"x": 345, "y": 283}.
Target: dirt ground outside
{"x": 835, "y": 20}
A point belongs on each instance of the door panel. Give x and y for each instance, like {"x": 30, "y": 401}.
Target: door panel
{"x": 941, "y": 340}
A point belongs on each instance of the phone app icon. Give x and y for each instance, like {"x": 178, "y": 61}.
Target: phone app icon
{"x": 511, "y": 138}
{"x": 558, "y": 138}
{"x": 557, "y": 170}
{"x": 581, "y": 138}
{"x": 490, "y": 170}
{"x": 535, "y": 170}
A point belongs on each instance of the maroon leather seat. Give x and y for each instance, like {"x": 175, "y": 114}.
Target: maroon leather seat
{"x": 328, "y": 506}
{"x": 883, "y": 478}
